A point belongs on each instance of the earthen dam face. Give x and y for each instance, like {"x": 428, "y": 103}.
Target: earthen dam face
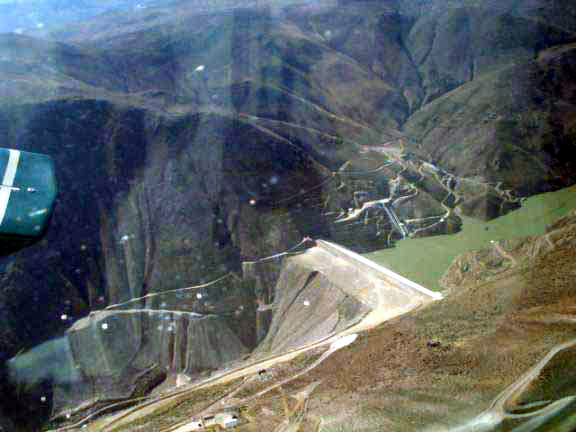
{"x": 328, "y": 289}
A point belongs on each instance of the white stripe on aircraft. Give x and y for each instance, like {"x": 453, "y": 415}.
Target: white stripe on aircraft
{"x": 8, "y": 181}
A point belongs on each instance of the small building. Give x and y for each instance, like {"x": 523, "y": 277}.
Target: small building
{"x": 230, "y": 421}
{"x": 221, "y": 420}
{"x": 217, "y": 422}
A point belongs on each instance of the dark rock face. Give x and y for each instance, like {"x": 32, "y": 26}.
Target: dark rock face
{"x": 186, "y": 144}
{"x": 460, "y": 44}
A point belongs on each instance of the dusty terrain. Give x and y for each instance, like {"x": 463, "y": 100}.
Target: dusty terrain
{"x": 437, "y": 367}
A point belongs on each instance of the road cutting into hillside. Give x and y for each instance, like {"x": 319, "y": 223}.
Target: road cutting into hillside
{"x": 388, "y": 294}
{"x": 497, "y": 412}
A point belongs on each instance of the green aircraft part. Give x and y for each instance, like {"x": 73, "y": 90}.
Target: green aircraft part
{"x": 28, "y": 190}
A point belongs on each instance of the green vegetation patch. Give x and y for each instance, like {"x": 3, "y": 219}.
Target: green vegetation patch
{"x": 424, "y": 260}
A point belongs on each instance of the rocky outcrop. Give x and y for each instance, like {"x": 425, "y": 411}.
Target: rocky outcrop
{"x": 117, "y": 355}
{"x": 459, "y": 44}
{"x": 108, "y": 342}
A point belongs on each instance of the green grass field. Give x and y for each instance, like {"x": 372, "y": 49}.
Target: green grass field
{"x": 424, "y": 260}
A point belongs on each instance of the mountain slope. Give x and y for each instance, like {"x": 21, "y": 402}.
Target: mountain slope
{"x": 188, "y": 143}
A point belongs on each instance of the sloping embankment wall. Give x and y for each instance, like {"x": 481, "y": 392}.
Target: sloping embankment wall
{"x": 328, "y": 288}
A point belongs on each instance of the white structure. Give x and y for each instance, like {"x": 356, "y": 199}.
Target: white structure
{"x": 220, "y": 421}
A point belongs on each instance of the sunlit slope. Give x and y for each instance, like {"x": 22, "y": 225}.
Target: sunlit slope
{"x": 424, "y": 260}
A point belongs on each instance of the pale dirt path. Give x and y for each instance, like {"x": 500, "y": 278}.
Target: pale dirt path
{"x": 497, "y": 412}
{"x": 339, "y": 343}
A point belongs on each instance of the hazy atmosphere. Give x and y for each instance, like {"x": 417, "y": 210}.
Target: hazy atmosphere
{"x": 287, "y": 216}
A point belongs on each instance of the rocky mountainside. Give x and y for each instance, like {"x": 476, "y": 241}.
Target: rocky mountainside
{"x": 188, "y": 141}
